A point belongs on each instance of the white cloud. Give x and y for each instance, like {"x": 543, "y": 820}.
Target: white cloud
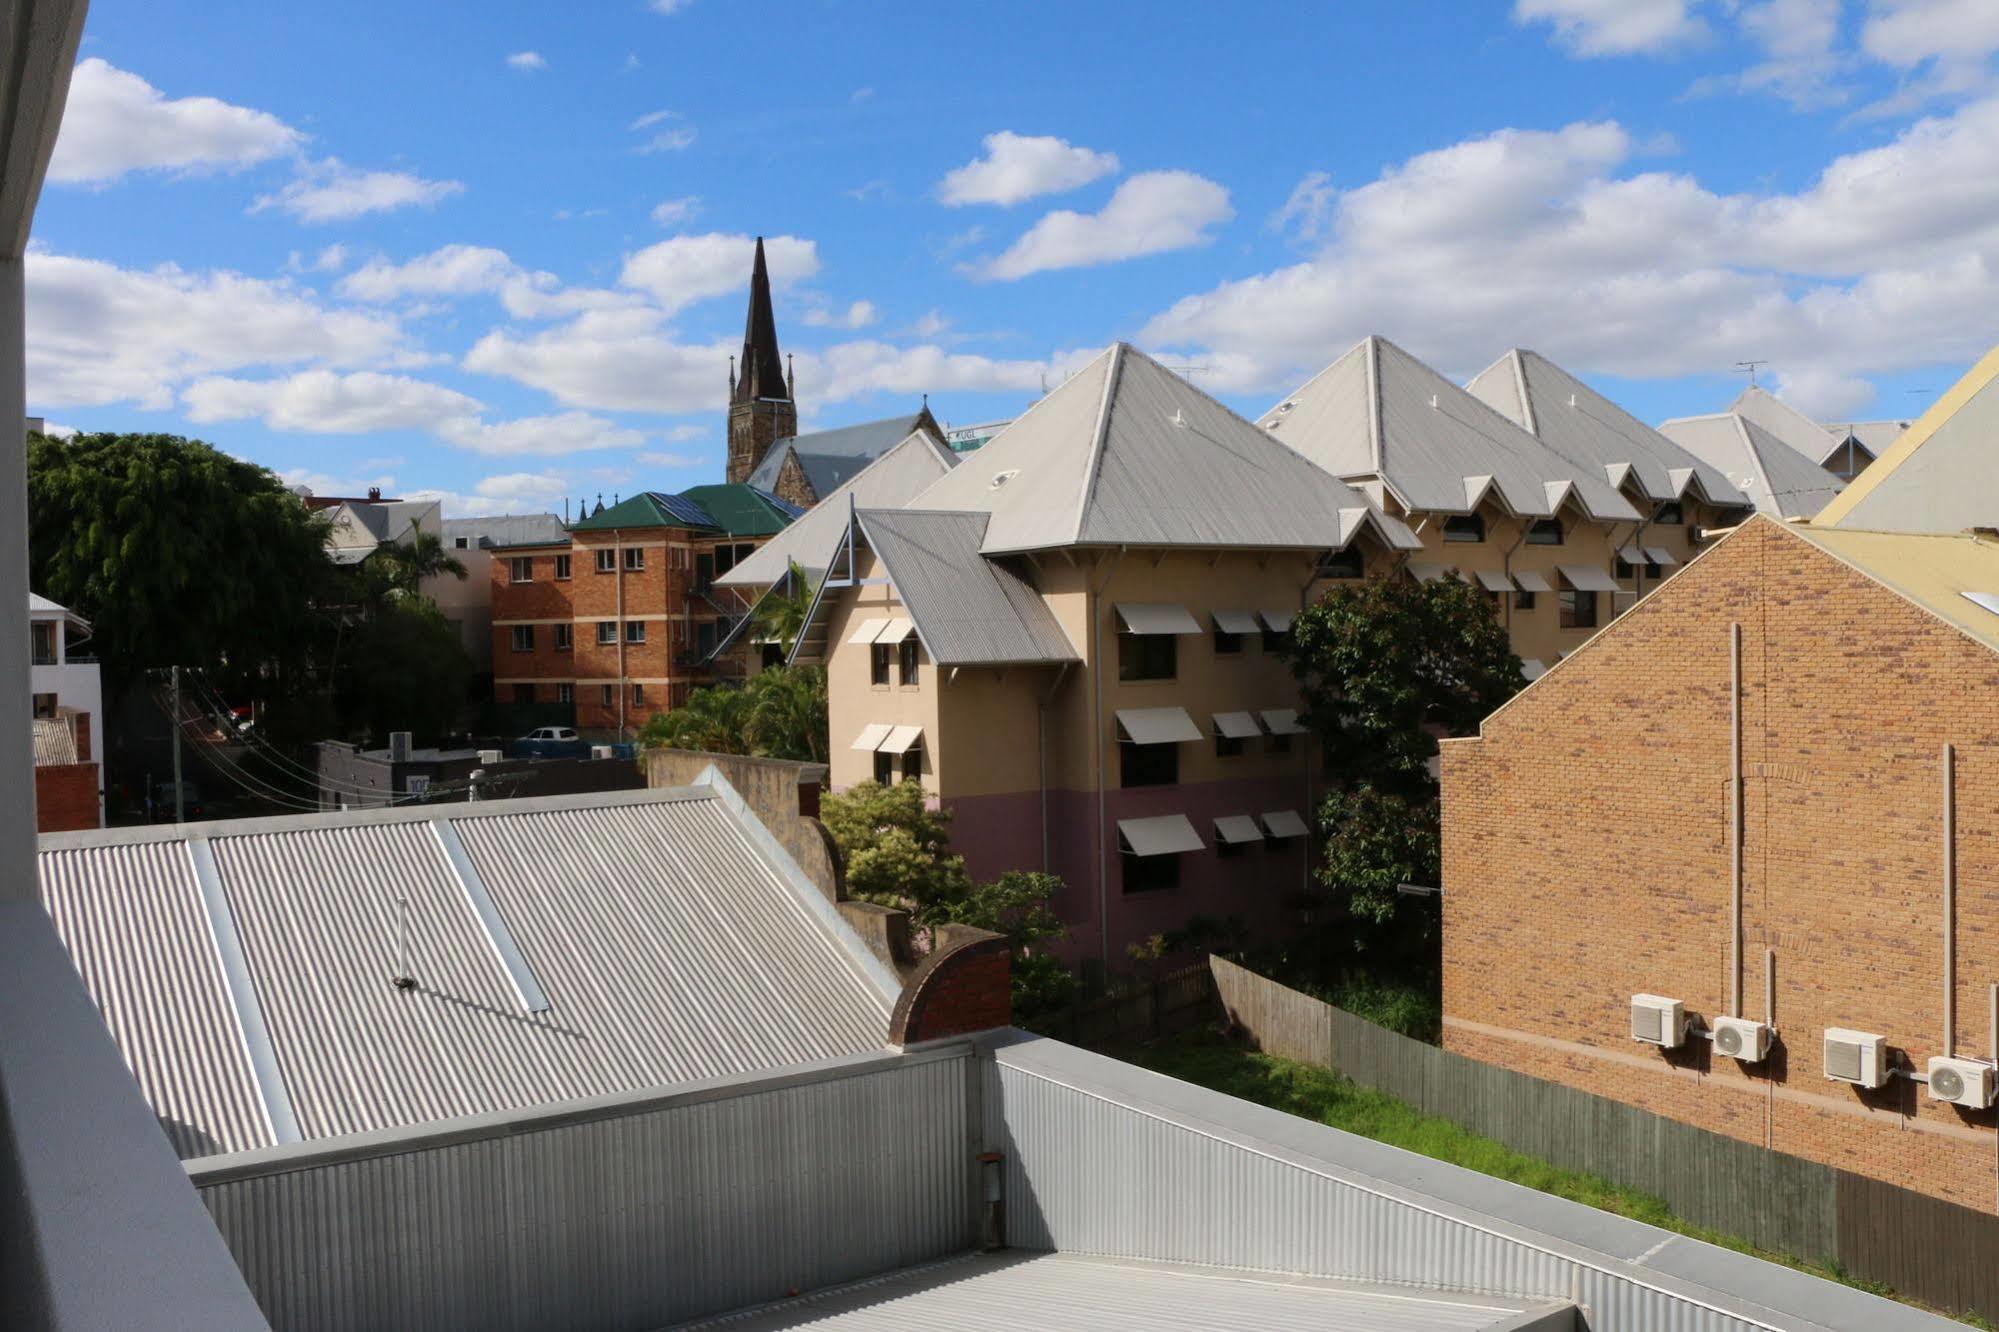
{"x": 682, "y": 270}
{"x": 861, "y": 314}
{"x": 680, "y": 434}
{"x": 1804, "y": 66}
{"x": 325, "y": 483}
{"x": 668, "y": 6}
{"x": 465, "y": 270}
{"x": 673, "y": 212}
{"x": 670, "y": 139}
{"x": 1151, "y": 212}
{"x": 527, "y": 61}
{"x": 1943, "y": 47}
{"x": 1552, "y": 240}
{"x": 1308, "y": 207}
{"x": 331, "y": 191}
{"x": 1018, "y": 167}
{"x": 98, "y": 333}
{"x": 670, "y": 459}
{"x": 1615, "y": 27}
{"x": 860, "y": 95}
{"x": 116, "y": 123}
{"x": 510, "y": 492}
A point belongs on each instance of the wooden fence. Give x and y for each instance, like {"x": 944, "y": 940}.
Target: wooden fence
{"x": 1138, "y": 1011}
{"x": 1929, "y": 1250}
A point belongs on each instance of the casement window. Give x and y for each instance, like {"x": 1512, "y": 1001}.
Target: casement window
{"x": 1149, "y": 874}
{"x": 1464, "y": 527}
{"x": 461, "y": 543}
{"x": 635, "y": 631}
{"x": 565, "y": 637}
{"x": 1578, "y": 608}
{"x": 607, "y": 633}
{"x": 523, "y": 638}
{"x": 609, "y": 696}
{"x": 1148, "y": 765}
{"x": 1226, "y": 643}
{"x": 884, "y": 767}
{"x": 1231, "y": 626}
{"x": 1343, "y": 564}
{"x": 1670, "y": 512}
{"x": 607, "y": 560}
{"x": 1148, "y": 656}
{"x": 1523, "y": 601}
{"x": 635, "y": 558}
{"x": 561, "y": 568}
{"x": 912, "y": 763}
{"x": 638, "y": 695}
{"x": 565, "y": 693}
{"x": 1277, "y": 744}
{"x": 878, "y": 664}
{"x": 520, "y": 569}
{"x": 1545, "y": 532}
{"x": 1227, "y": 746}
{"x": 906, "y": 662}
{"x": 42, "y": 645}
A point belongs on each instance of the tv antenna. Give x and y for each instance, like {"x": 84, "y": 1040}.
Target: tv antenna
{"x": 1188, "y": 371}
{"x": 1749, "y": 368}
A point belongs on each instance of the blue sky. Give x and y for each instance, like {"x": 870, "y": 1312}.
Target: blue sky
{"x": 497, "y": 253}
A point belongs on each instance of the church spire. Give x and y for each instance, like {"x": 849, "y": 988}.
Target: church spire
{"x": 762, "y": 371}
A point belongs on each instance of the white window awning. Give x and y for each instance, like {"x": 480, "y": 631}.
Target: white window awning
{"x": 1532, "y": 669}
{"x": 868, "y": 630}
{"x": 896, "y": 630}
{"x": 1277, "y": 621}
{"x": 1235, "y": 829}
{"x": 1282, "y": 721}
{"x": 1155, "y": 617}
{"x": 1167, "y": 835}
{"x": 1237, "y": 726}
{"x": 872, "y": 735}
{"x": 1157, "y": 726}
{"x": 1660, "y": 555}
{"x": 902, "y": 739}
{"x": 1281, "y": 823}
{"x": 1427, "y": 573}
{"x": 1494, "y": 581}
{"x": 1235, "y": 621}
{"x": 1529, "y": 581}
{"x": 1634, "y": 555}
{"x": 1584, "y": 578}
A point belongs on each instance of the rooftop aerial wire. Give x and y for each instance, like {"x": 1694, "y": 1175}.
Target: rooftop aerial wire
{"x": 1749, "y": 368}
{"x": 219, "y": 706}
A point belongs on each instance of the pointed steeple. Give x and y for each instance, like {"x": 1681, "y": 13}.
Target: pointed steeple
{"x": 762, "y": 370}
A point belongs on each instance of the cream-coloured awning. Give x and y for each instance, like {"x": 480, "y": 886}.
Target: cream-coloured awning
{"x": 1157, "y": 726}
{"x": 1284, "y": 823}
{"x": 868, "y": 631}
{"x": 1278, "y": 621}
{"x": 1167, "y": 835}
{"x": 1235, "y": 621}
{"x": 872, "y": 735}
{"x": 1584, "y": 578}
{"x": 1156, "y": 617}
{"x": 902, "y": 739}
{"x": 1236, "y": 726}
{"x": 1282, "y": 721}
{"x": 1235, "y": 829}
{"x": 1529, "y": 581}
{"x": 897, "y": 629}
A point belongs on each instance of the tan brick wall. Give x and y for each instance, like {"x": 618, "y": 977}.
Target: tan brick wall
{"x": 1586, "y": 858}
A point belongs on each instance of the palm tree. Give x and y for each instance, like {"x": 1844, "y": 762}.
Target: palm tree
{"x": 713, "y": 720}
{"x": 787, "y": 714}
{"x": 781, "y": 614}
{"x": 405, "y": 564}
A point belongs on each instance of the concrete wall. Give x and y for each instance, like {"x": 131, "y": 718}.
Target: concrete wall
{"x": 1587, "y": 858}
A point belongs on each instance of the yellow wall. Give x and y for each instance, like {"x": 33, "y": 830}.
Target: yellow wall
{"x": 853, "y": 702}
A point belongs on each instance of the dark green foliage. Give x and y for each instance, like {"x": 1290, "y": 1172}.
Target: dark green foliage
{"x": 405, "y": 670}
{"x": 778, "y": 713}
{"x": 782, "y": 612}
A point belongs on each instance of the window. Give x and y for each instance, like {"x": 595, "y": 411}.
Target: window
{"x": 1226, "y": 643}
{"x": 608, "y": 696}
{"x": 725, "y": 559}
{"x": 878, "y": 663}
{"x": 1228, "y": 746}
{"x": 1150, "y": 874}
{"x": 565, "y": 693}
{"x": 1278, "y": 744}
{"x": 45, "y": 705}
{"x": 635, "y": 558}
{"x": 638, "y": 695}
{"x": 562, "y": 568}
{"x": 461, "y": 543}
{"x": 678, "y": 556}
{"x": 1464, "y": 527}
{"x": 1578, "y": 609}
{"x": 607, "y": 633}
{"x": 520, "y": 569}
{"x": 635, "y": 631}
{"x": 1147, "y": 656}
{"x": 1276, "y": 640}
{"x": 523, "y": 638}
{"x": 1625, "y": 568}
{"x": 43, "y": 646}
{"x": 523, "y": 693}
{"x": 906, "y": 663}
{"x": 607, "y": 560}
{"x": 1148, "y": 765}
{"x": 1523, "y": 601}
{"x": 1343, "y": 564}
{"x": 1545, "y": 532}
{"x": 884, "y": 767}
{"x": 912, "y": 763}
{"x": 1672, "y": 511}
{"x": 565, "y": 637}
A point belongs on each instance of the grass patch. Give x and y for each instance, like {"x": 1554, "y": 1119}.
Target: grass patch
{"x": 1319, "y": 1094}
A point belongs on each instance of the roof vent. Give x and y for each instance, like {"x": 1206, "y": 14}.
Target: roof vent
{"x": 1987, "y": 600}
{"x": 1178, "y": 420}
{"x": 1572, "y": 400}
{"x": 1001, "y": 478}
{"x": 1433, "y": 402}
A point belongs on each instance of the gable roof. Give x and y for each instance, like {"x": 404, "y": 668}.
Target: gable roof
{"x": 1590, "y": 430}
{"x": 1786, "y": 423}
{"x": 1942, "y": 474}
{"x": 697, "y": 509}
{"x": 1935, "y": 570}
{"x": 1778, "y": 479}
{"x": 888, "y": 482}
{"x": 41, "y": 608}
{"x": 832, "y": 457}
{"x": 1379, "y": 413}
{"x": 1125, "y": 452}
{"x": 968, "y": 609}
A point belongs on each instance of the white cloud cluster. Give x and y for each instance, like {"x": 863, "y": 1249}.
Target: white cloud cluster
{"x": 1615, "y": 27}
{"x": 673, "y": 212}
{"x": 509, "y": 492}
{"x": 662, "y": 135}
{"x": 681, "y": 270}
{"x": 527, "y": 61}
{"x": 331, "y": 191}
{"x": 1944, "y": 47}
{"x": 466, "y": 270}
{"x": 1151, "y": 212}
{"x": 1018, "y": 167}
{"x": 861, "y": 314}
{"x": 116, "y": 123}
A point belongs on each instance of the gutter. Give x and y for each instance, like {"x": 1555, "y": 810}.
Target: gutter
{"x": 1097, "y": 745}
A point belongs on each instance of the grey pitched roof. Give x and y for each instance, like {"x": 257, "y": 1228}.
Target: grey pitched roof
{"x": 668, "y": 943}
{"x": 1125, "y": 452}
{"x": 1942, "y": 473}
{"x": 1379, "y": 413}
{"x": 1874, "y": 436}
{"x": 1590, "y": 430}
{"x": 507, "y": 529}
{"x": 888, "y": 482}
{"x": 1778, "y": 479}
{"x": 830, "y": 457}
{"x": 968, "y": 609}
{"x": 1786, "y": 423}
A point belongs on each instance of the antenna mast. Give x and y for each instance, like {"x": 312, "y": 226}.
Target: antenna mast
{"x": 1749, "y": 368}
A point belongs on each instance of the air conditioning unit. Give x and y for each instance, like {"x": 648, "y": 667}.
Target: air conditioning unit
{"x": 1739, "y": 1038}
{"x": 488, "y": 757}
{"x": 1858, "y": 1057}
{"x": 1966, "y": 1082}
{"x": 1658, "y": 1021}
{"x": 600, "y": 751}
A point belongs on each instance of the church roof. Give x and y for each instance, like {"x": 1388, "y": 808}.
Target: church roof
{"x": 833, "y": 457}
{"x": 735, "y": 510}
{"x": 761, "y": 374}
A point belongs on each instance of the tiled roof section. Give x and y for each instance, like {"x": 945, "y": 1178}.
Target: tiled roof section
{"x": 1378, "y": 412}
{"x": 54, "y": 741}
{"x": 1777, "y": 479}
{"x": 512, "y": 529}
{"x": 1125, "y": 452}
{"x": 832, "y": 457}
{"x": 1590, "y": 430}
{"x": 1942, "y": 473}
{"x": 743, "y": 510}
{"x": 668, "y": 944}
{"x": 969, "y": 609}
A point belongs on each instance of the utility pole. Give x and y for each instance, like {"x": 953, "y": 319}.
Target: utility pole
{"x": 180, "y": 806}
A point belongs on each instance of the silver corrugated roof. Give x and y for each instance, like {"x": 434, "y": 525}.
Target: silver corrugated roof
{"x": 1590, "y": 430}
{"x": 670, "y": 945}
{"x": 889, "y": 482}
{"x": 1786, "y": 423}
{"x": 968, "y": 609}
{"x": 1128, "y": 453}
{"x": 1778, "y": 480}
{"x": 507, "y": 529}
{"x": 1378, "y": 412}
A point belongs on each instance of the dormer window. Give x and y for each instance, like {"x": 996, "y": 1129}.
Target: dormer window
{"x": 1464, "y": 527}
{"x": 1545, "y": 532}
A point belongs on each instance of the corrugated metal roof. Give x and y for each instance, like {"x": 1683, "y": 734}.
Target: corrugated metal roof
{"x": 54, "y": 742}
{"x": 1590, "y": 430}
{"x": 1125, "y": 452}
{"x": 1939, "y": 475}
{"x": 1778, "y": 480}
{"x": 741, "y": 510}
{"x": 1786, "y": 424}
{"x": 833, "y": 457}
{"x": 889, "y": 482}
{"x": 968, "y": 609}
{"x": 1093, "y": 1294}
{"x": 1378, "y": 412}
{"x": 669, "y": 946}
{"x": 507, "y": 529}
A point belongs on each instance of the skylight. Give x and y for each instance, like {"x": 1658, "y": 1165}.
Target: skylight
{"x": 1988, "y": 600}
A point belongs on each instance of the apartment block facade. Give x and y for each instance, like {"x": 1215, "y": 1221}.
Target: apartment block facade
{"x": 1593, "y": 850}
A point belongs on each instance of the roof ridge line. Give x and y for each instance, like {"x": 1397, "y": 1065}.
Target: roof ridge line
{"x": 1526, "y": 401}
{"x": 1092, "y": 468}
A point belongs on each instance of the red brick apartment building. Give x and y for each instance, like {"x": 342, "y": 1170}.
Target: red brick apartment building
{"x": 620, "y": 619}
{"x": 1592, "y": 854}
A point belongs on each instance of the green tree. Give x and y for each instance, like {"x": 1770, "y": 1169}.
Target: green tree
{"x": 781, "y": 614}
{"x": 787, "y": 713}
{"x": 399, "y": 568}
{"x": 714, "y": 720}
{"x": 404, "y": 669}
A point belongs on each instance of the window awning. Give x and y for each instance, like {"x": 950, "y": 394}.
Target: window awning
{"x": 868, "y": 630}
{"x": 902, "y": 739}
{"x": 1237, "y": 726}
{"x": 1584, "y": 578}
{"x": 1634, "y": 555}
{"x": 1282, "y": 721}
{"x": 1529, "y": 581}
{"x": 1278, "y": 621}
{"x": 1660, "y": 555}
{"x": 897, "y": 629}
{"x": 1167, "y": 835}
{"x": 1235, "y": 829}
{"x": 1532, "y": 669}
{"x": 1157, "y": 726}
{"x": 872, "y": 735}
{"x": 1494, "y": 581}
{"x": 1284, "y": 823}
{"x": 1427, "y": 573}
{"x": 1156, "y": 617}
{"x": 1235, "y": 621}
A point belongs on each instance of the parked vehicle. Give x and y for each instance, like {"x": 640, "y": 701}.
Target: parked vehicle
{"x": 549, "y": 742}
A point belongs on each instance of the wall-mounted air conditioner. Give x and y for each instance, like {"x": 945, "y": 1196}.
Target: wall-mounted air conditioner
{"x": 600, "y": 751}
{"x": 488, "y": 757}
{"x": 1858, "y": 1057}
{"x": 1966, "y": 1082}
{"x": 1656, "y": 1020}
{"x": 1739, "y": 1038}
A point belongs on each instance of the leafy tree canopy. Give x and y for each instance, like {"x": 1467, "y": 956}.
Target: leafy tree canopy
{"x": 777, "y": 713}
{"x": 782, "y": 612}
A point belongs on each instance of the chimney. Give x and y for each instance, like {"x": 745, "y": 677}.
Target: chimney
{"x": 374, "y": 492}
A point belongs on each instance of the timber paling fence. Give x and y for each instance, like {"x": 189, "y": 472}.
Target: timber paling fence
{"x": 1926, "y": 1249}
{"x": 1145, "y": 1010}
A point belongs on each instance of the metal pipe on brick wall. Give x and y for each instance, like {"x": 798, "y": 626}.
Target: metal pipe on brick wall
{"x": 1735, "y": 819}
{"x": 1096, "y": 614}
{"x": 1949, "y": 901}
